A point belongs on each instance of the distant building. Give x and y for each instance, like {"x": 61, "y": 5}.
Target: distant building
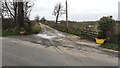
{"x": 119, "y": 10}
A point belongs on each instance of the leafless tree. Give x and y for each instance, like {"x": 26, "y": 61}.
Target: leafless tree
{"x": 58, "y": 11}
{"x": 19, "y": 11}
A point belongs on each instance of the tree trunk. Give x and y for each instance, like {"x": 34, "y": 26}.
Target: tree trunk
{"x": 57, "y": 19}
{"x": 57, "y": 15}
{"x": 15, "y": 10}
{"x": 20, "y": 15}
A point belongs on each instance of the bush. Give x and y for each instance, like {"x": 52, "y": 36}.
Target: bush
{"x": 8, "y": 24}
{"x": 106, "y": 27}
{"x": 36, "y": 28}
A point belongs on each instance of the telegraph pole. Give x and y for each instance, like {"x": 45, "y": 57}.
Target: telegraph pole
{"x": 66, "y": 15}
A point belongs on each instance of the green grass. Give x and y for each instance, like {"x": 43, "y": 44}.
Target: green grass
{"x": 5, "y": 33}
{"x": 114, "y": 46}
{"x": 0, "y": 33}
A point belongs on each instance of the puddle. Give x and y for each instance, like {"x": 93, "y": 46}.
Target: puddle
{"x": 49, "y": 34}
{"x": 60, "y": 35}
{"x": 45, "y": 36}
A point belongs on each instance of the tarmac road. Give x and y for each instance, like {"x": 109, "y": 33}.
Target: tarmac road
{"x": 16, "y": 52}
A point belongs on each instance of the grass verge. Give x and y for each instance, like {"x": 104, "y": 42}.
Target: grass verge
{"x": 5, "y": 33}
{"x": 113, "y": 46}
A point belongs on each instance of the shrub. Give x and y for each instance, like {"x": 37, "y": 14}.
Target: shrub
{"x": 36, "y": 28}
{"x": 8, "y": 24}
{"x": 106, "y": 27}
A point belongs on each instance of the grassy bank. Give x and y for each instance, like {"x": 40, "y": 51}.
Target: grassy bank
{"x": 113, "y": 45}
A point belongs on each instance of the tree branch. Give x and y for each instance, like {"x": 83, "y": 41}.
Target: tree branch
{"x": 9, "y": 9}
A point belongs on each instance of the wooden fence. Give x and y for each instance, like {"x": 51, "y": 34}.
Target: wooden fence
{"x": 90, "y": 33}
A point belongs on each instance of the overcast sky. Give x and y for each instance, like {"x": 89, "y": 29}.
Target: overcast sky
{"x": 78, "y": 10}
